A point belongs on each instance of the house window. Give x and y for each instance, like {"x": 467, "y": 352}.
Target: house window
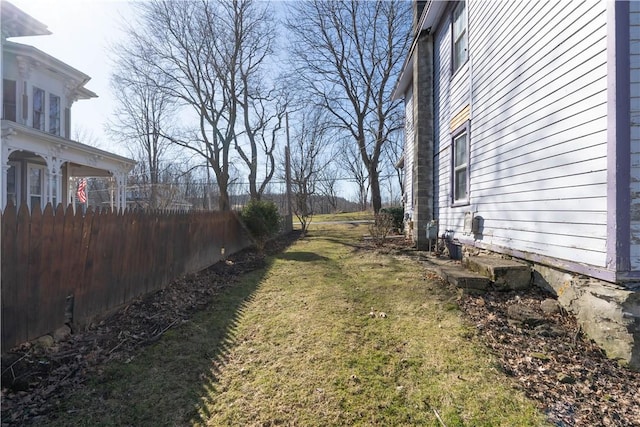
{"x": 460, "y": 167}
{"x": 35, "y": 184}
{"x": 459, "y": 35}
{"x": 38, "y": 108}
{"x": 13, "y": 183}
{"x": 54, "y": 114}
{"x": 9, "y": 100}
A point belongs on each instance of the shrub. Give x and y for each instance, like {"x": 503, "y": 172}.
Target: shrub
{"x": 262, "y": 220}
{"x": 397, "y": 213}
{"x": 381, "y": 227}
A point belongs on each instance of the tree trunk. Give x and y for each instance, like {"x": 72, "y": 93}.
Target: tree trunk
{"x": 224, "y": 203}
{"x": 376, "y": 200}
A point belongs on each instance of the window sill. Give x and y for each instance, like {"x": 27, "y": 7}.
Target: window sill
{"x": 460, "y": 203}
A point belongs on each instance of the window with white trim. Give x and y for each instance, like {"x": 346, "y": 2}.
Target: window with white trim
{"x": 54, "y": 114}
{"x": 38, "y": 108}
{"x": 460, "y": 167}
{"x": 35, "y": 185}
{"x": 13, "y": 183}
{"x": 459, "y": 48}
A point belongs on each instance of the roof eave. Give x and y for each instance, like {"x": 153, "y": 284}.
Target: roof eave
{"x": 430, "y": 17}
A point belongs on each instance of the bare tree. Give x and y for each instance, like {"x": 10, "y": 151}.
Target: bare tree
{"x": 392, "y": 153}
{"x": 141, "y": 119}
{"x": 207, "y": 54}
{"x": 350, "y": 161}
{"x": 307, "y": 160}
{"x": 261, "y": 106}
{"x": 346, "y": 53}
{"x": 327, "y": 185}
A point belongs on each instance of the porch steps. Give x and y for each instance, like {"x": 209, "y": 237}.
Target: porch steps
{"x": 478, "y": 273}
{"x": 505, "y": 274}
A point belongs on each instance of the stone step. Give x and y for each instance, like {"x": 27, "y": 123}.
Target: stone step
{"x": 504, "y": 273}
{"x": 464, "y": 279}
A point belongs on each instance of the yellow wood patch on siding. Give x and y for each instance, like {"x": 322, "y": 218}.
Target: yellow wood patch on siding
{"x": 459, "y": 118}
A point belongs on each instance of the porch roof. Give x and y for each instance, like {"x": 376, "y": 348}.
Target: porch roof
{"x": 83, "y": 159}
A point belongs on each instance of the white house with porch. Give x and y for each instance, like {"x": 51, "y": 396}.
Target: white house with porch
{"x": 40, "y": 162}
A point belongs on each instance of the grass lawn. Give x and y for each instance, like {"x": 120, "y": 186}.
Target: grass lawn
{"x": 295, "y": 344}
{"x": 344, "y": 216}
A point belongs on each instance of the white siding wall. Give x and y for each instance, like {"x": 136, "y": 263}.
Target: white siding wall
{"x": 634, "y": 49}
{"x": 538, "y": 126}
{"x": 409, "y": 135}
{"x": 451, "y": 94}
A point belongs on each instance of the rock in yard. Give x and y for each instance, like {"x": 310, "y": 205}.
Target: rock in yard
{"x": 524, "y": 314}
{"x": 550, "y": 306}
{"x": 45, "y": 341}
{"x": 62, "y": 333}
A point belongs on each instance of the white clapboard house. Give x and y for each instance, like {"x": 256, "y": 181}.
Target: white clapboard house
{"x": 40, "y": 162}
{"x": 523, "y": 139}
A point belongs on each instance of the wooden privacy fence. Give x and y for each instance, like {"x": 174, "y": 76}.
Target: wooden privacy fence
{"x": 61, "y": 266}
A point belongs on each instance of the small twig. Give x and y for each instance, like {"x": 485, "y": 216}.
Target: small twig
{"x": 10, "y": 367}
{"x": 159, "y": 334}
{"x": 575, "y": 336}
{"x": 438, "y": 417}
{"x": 117, "y": 346}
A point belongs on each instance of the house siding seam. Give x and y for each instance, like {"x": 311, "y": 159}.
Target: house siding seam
{"x": 538, "y": 169}
{"x": 634, "y": 91}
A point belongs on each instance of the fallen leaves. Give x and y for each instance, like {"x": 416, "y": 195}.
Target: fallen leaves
{"x": 571, "y": 378}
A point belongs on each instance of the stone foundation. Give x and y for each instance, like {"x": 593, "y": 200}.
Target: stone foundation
{"x": 608, "y": 313}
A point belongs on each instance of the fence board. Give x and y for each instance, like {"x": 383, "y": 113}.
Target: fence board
{"x": 22, "y": 270}
{"x": 81, "y": 311}
{"x": 47, "y": 248}
{"x": 55, "y": 286}
{"x": 10, "y": 304}
{"x": 35, "y": 292}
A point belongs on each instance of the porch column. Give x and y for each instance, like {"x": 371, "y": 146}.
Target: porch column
{"x": 52, "y": 173}
{"x": 423, "y": 191}
{"x": 121, "y": 191}
{"x": 4, "y": 163}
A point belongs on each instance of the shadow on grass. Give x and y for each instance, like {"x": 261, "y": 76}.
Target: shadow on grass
{"x": 301, "y": 256}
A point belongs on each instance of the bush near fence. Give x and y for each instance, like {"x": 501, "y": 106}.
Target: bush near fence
{"x": 63, "y": 265}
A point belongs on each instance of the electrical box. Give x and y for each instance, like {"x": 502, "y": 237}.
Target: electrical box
{"x": 432, "y": 230}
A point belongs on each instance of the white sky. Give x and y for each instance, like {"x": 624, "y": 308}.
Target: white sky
{"x": 82, "y": 31}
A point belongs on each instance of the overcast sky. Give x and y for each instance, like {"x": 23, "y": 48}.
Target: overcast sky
{"x": 82, "y": 31}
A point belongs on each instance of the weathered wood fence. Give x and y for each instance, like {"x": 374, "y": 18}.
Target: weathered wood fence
{"x": 61, "y": 265}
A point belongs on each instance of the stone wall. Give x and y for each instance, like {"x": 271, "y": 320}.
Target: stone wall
{"x": 609, "y": 314}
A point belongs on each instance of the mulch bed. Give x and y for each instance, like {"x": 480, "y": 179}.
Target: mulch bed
{"x": 568, "y": 375}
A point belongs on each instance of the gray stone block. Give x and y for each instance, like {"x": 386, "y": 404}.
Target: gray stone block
{"x": 504, "y": 273}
